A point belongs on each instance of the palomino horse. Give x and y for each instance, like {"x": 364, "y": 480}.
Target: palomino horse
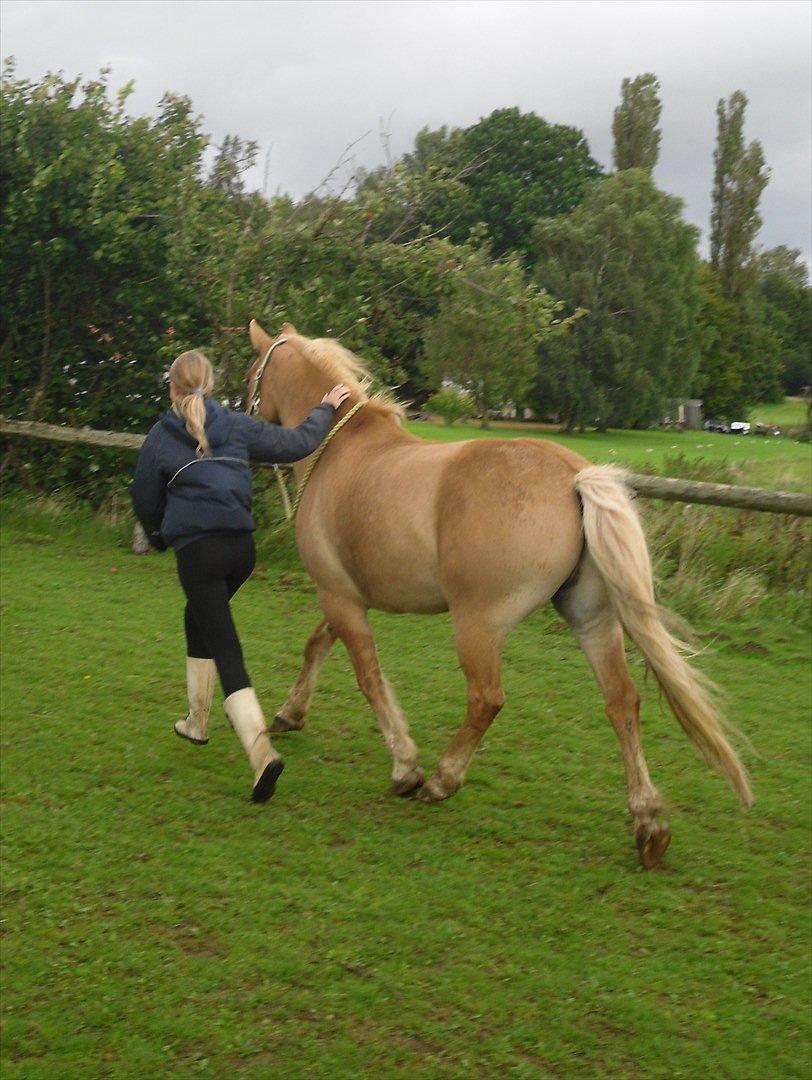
{"x": 488, "y": 530}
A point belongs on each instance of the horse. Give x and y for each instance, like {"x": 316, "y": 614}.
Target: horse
{"x": 488, "y": 530}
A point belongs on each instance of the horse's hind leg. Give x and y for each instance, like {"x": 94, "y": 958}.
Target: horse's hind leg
{"x": 291, "y": 716}
{"x": 349, "y": 622}
{"x": 586, "y": 608}
{"x": 479, "y": 647}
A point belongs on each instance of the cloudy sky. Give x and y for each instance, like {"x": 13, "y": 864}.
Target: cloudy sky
{"x": 305, "y": 78}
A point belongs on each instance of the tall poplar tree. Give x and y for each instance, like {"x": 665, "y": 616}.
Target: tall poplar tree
{"x": 634, "y": 126}
{"x": 740, "y": 176}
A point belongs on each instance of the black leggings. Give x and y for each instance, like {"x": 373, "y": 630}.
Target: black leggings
{"x": 211, "y": 570}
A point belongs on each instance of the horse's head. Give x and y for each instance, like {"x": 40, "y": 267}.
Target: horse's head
{"x": 262, "y": 343}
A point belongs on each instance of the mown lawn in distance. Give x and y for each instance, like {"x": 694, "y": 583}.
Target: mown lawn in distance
{"x": 753, "y": 459}
{"x": 156, "y": 923}
{"x": 791, "y": 412}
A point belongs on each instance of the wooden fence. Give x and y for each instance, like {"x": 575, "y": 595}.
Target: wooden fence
{"x": 649, "y": 487}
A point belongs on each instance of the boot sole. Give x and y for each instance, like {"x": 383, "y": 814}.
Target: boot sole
{"x": 188, "y": 738}
{"x": 266, "y": 785}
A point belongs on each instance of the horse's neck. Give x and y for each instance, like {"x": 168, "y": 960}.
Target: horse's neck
{"x": 300, "y": 388}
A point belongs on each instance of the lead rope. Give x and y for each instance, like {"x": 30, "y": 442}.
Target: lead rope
{"x": 254, "y": 396}
{"x": 320, "y": 450}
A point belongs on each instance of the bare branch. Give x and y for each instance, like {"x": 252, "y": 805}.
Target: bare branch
{"x": 342, "y": 160}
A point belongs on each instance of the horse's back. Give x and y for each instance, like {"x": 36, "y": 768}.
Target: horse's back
{"x": 417, "y": 526}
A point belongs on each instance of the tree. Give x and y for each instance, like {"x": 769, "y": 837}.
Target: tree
{"x": 120, "y": 252}
{"x": 91, "y": 206}
{"x": 783, "y": 282}
{"x": 485, "y": 333}
{"x": 740, "y": 351}
{"x": 235, "y": 156}
{"x": 627, "y": 261}
{"x": 506, "y": 171}
{"x": 634, "y": 126}
{"x": 785, "y": 263}
{"x": 740, "y": 177}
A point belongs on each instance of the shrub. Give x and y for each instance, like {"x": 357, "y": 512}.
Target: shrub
{"x": 450, "y": 404}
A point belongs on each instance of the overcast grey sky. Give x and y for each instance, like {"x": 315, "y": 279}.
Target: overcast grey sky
{"x": 305, "y": 78}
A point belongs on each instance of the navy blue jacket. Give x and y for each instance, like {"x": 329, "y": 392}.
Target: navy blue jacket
{"x": 179, "y": 497}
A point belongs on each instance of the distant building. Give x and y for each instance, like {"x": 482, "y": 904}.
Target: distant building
{"x": 686, "y": 412}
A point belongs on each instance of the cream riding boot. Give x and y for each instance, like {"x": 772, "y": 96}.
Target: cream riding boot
{"x": 199, "y": 687}
{"x": 245, "y": 714}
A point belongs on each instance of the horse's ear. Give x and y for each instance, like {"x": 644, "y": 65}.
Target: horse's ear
{"x": 259, "y": 339}
{"x": 289, "y": 328}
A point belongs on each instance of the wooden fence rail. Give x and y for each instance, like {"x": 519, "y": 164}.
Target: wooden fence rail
{"x": 649, "y": 487}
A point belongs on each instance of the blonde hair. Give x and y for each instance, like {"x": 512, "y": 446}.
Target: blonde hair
{"x": 193, "y": 377}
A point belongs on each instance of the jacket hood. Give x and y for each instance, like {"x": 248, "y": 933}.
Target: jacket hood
{"x": 219, "y": 422}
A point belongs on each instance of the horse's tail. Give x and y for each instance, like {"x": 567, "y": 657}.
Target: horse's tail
{"x": 615, "y": 540}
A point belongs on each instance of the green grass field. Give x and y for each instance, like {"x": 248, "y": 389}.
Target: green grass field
{"x": 791, "y": 412}
{"x": 752, "y": 460}
{"x": 157, "y": 924}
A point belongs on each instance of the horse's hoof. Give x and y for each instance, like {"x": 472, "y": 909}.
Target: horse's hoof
{"x": 653, "y": 839}
{"x": 282, "y": 723}
{"x": 409, "y": 783}
{"x": 433, "y": 791}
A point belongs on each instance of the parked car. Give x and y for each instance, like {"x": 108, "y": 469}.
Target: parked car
{"x": 717, "y": 425}
{"x": 739, "y": 427}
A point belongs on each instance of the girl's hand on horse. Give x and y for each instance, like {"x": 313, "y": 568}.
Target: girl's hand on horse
{"x": 336, "y": 396}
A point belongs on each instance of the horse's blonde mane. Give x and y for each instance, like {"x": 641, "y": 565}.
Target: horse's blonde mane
{"x": 343, "y": 366}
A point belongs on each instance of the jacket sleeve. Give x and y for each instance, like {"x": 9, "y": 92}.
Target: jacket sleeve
{"x": 282, "y": 445}
{"x": 148, "y": 493}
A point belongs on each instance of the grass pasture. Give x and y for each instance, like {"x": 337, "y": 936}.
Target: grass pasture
{"x": 157, "y": 924}
{"x": 751, "y": 460}
{"x": 790, "y": 413}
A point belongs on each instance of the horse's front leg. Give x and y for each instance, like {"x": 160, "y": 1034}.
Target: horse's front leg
{"x": 291, "y": 716}
{"x": 349, "y": 621}
{"x": 479, "y": 647}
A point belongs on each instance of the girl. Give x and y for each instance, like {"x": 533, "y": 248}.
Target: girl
{"x": 192, "y": 492}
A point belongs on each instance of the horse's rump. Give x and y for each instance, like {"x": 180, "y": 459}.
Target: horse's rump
{"x": 509, "y": 521}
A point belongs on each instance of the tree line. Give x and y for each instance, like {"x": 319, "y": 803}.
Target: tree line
{"x": 499, "y": 258}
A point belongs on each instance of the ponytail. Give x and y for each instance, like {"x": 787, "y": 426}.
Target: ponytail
{"x": 193, "y": 377}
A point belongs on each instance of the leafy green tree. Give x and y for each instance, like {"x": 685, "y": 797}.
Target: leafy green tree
{"x": 506, "y": 171}
{"x": 627, "y": 261}
{"x": 119, "y": 252}
{"x": 486, "y": 331}
{"x": 91, "y": 205}
{"x": 740, "y": 177}
{"x": 422, "y": 194}
{"x": 634, "y": 126}
{"x": 529, "y": 170}
{"x": 785, "y": 263}
{"x": 783, "y": 281}
{"x": 741, "y": 350}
